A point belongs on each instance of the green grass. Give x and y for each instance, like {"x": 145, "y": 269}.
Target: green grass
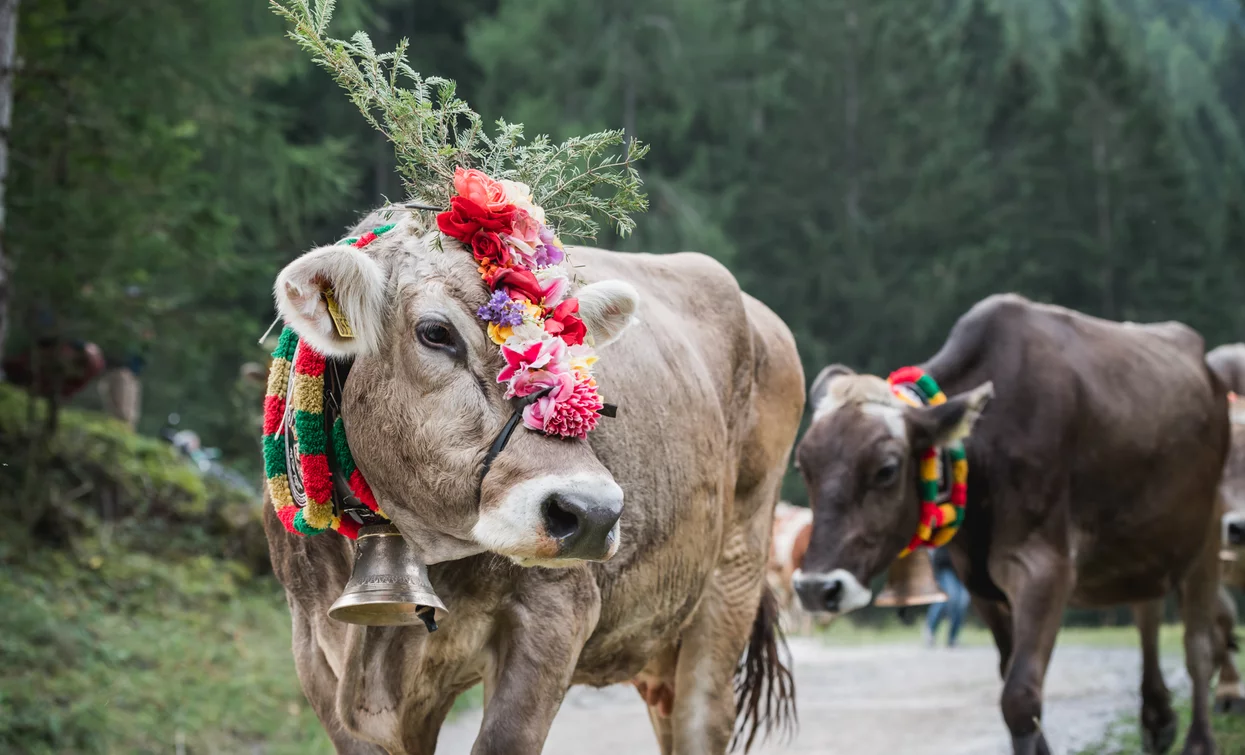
{"x": 112, "y": 651}
{"x": 119, "y": 653}
{"x": 1124, "y": 736}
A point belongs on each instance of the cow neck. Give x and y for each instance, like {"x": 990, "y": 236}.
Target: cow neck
{"x": 943, "y": 471}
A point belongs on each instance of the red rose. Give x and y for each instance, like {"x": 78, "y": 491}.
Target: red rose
{"x": 488, "y": 247}
{"x": 519, "y": 284}
{"x": 465, "y": 219}
{"x": 564, "y": 323}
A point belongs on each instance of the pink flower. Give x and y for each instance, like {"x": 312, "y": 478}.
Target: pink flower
{"x": 572, "y": 414}
{"x": 479, "y": 188}
{"x": 533, "y": 365}
{"x": 526, "y": 228}
{"x": 557, "y": 376}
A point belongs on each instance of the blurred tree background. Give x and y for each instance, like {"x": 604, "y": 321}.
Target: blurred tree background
{"x": 868, "y": 168}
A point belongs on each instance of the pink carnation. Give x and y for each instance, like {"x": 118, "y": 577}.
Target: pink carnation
{"x": 571, "y": 415}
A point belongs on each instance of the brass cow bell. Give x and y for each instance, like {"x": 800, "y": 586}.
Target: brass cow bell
{"x": 910, "y": 582}
{"x": 389, "y": 584}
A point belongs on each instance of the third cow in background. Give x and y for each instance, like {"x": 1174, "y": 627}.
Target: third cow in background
{"x": 1228, "y": 362}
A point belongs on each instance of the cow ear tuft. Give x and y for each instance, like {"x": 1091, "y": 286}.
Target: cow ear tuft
{"x": 353, "y": 282}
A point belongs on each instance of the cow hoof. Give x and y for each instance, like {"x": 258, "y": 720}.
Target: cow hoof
{"x": 1230, "y": 704}
{"x": 1157, "y": 742}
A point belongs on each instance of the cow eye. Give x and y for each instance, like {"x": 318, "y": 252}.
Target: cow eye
{"x": 435, "y": 335}
{"x": 886, "y": 475}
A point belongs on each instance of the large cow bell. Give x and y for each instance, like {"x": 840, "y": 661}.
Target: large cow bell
{"x": 389, "y": 585}
{"x": 910, "y": 582}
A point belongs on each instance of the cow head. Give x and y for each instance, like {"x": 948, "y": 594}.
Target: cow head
{"x": 859, "y": 461}
{"x": 422, "y": 404}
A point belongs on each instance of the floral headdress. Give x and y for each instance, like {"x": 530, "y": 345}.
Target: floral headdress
{"x": 496, "y": 212}
{"x": 529, "y": 314}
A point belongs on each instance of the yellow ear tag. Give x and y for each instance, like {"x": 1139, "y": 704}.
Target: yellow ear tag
{"x": 339, "y": 317}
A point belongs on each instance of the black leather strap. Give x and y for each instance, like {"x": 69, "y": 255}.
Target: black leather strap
{"x": 503, "y": 437}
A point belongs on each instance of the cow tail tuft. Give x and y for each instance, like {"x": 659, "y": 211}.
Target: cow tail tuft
{"x": 764, "y": 686}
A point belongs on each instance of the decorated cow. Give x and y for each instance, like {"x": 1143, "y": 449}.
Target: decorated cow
{"x": 495, "y": 459}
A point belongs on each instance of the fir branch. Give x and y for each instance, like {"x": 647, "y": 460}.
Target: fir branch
{"x": 433, "y": 132}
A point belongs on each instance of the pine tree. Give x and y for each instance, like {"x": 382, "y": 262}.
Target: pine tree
{"x": 1122, "y": 243}
{"x": 155, "y": 193}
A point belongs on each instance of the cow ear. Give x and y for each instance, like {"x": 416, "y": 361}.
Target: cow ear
{"x": 607, "y": 309}
{"x": 351, "y": 280}
{"x": 820, "y": 390}
{"x": 934, "y": 426}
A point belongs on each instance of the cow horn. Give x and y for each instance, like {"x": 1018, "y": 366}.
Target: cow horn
{"x": 389, "y": 585}
{"x": 910, "y": 582}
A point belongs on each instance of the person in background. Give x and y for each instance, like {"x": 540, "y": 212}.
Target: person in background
{"x": 954, "y": 608}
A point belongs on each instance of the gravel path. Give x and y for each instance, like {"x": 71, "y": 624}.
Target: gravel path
{"x": 889, "y": 698}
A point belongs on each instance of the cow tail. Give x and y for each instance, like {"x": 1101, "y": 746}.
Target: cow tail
{"x": 764, "y": 686}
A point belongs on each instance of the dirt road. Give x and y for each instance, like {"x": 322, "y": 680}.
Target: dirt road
{"x": 890, "y": 698}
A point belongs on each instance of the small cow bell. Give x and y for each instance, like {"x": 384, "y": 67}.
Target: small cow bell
{"x": 910, "y": 582}
{"x": 389, "y": 585}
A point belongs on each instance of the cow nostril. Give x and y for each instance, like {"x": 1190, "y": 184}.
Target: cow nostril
{"x": 561, "y": 518}
{"x": 1236, "y": 533}
{"x": 832, "y": 593}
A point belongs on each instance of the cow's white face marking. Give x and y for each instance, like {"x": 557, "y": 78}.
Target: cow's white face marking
{"x": 516, "y": 526}
{"x": 891, "y": 415}
{"x": 852, "y": 596}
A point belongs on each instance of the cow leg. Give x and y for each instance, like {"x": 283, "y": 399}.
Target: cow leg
{"x": 1200, "y": 598}
{"x": 1229, "y": 693}
{"x": 319, "y": 685}
{"x": 540, "y": 638}
{"x": 998, "y": 620}
{"x": 1158, "y": 721}
{"x": 704, "y": 704}
{"x": 1037, "y": 581}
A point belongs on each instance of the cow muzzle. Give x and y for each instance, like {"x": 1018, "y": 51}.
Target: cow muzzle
{"x": 835, "y": 593}
{"x": 554, "y": 520}
{"x": 389, "y": 584}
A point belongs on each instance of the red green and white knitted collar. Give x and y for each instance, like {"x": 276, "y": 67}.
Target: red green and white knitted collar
{"x": 942, "y": 510}
{"x": 297, "y": 441}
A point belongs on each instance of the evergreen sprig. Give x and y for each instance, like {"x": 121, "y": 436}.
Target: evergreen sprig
{"x": 434, "y": 131}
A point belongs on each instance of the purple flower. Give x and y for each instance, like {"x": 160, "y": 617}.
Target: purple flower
{"x": 547, "y": 251}
{"x": 501, "y": 310}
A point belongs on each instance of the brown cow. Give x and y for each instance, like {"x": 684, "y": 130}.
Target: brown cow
{"x": 711, "y": 394}
{"x": 1228, "y": 362}
{"x": 1092, "y": 481}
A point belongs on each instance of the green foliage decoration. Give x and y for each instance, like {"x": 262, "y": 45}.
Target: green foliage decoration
{"x": 433, "y": 132}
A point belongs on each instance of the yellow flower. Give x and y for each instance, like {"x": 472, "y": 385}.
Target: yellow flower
{"x": 499, "y": 333}
{"x": 533, "y": 312}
